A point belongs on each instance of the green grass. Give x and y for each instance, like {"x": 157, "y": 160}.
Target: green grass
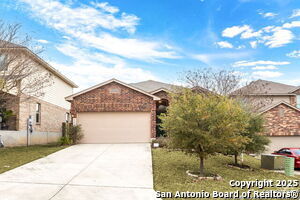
{"x": 170, "y": 172}
{"x": 16, "y": 156}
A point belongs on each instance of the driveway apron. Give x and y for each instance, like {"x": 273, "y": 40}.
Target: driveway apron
{"x": 84, "y": 172}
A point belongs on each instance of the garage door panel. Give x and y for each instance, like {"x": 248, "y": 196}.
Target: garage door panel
{"x": 115, "y": 127}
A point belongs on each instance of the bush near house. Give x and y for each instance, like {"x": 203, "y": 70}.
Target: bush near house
{"x": 71, "y": 134}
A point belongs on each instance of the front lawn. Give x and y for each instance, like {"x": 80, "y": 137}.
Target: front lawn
{"x": 170, "y": 172}
{"x": 16, "y": 156}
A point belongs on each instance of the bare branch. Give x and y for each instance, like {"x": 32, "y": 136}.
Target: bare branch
{"x": 20, "y": 72}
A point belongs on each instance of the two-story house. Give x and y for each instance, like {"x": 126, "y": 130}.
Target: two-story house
{"x": 280, "y": 106}
{"x": 47, "y": 111}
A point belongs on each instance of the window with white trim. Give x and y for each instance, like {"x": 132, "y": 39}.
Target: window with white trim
{"x": 38, "y": 113}
{"x": 298, "y": 101}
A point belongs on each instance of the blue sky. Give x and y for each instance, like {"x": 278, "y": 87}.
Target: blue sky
{"x": 91, "y": 41}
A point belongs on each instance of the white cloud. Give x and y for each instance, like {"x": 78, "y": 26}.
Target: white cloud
{"x": 296, "y": 13}
{"x": 210, "y": 58}
{"x": 268, "y": 14}
{"x": 253, "y": 44}
{"x": 266, "y": 74}
{"x": 293, "y": 24}
{"x": 129, "y": 48}
{"x": 279, "y": 38}
{"x": 224, "y": 44}
{"x": 244, "y": 63}
{"x": 264, "y": 67}
{"x": 83, "y": 18}
{"x": 241, "y": 47}
{"x": 89, "y": 68}
{"x": 268, "y": 29}
{"x": 234, "y": 31}
{"x": 106, "y": 7}
{"x": 43, "y": 41}
{"x": 89, "y": 25}
{"x": 270, "y": 36}
{"x": 294, "y": 54}
{"x": 250, "y": 33}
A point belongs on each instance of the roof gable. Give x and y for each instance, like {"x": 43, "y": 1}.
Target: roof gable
{"x": 160, "y": 90}
{"x": 70, "y": 98}
{"x": 47, "y": 66}
{"x": 277, "y": 104}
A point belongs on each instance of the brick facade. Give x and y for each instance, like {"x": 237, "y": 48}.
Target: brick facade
{"x": 52, "y": 116}
{"x": 282, "y": 120}
{"x": 115, "y": 97}
{"x": 162, "y": 94}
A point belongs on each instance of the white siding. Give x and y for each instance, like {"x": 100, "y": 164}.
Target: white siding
{"x": 57, "y": 92}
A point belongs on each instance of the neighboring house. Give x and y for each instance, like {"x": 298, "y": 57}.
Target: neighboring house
{"x": 280, "y": 106}
{"x": 48, "y": 111}
{"x": 117, "y": 112}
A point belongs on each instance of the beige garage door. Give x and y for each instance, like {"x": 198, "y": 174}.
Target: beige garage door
{"x": 115, "y": 127}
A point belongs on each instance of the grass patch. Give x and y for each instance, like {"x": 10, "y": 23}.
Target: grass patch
{"x": 16, "y": 156}
{"x": 170, "y": 172}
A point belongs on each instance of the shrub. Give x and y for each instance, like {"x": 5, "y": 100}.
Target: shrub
{"x": 75, "y": 133}
{"x": 65, "y": 140}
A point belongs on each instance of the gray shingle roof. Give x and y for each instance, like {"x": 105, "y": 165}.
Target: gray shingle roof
{"x": 266, "y": 87}
{"x": 150, "y": 85}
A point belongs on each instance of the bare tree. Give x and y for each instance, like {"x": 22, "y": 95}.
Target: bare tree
{"x": 221, "y": 82}
{"x": 228, "y": 83}
{"x": 21, "y": 75}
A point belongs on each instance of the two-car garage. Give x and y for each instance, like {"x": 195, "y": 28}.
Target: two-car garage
{"x": 115, "y": 127}
{"x": 114, "y": 112}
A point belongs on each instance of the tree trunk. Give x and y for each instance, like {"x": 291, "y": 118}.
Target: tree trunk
{"x": 236, "y": 159}
{"x": 201, "y": 166}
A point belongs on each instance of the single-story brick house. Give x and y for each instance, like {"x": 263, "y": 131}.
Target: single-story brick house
{"x": 117, "y": 112}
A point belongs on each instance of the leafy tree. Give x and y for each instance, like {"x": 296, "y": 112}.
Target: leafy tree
{"x": 203, "y": 124}
{"x": 255, "y": 142}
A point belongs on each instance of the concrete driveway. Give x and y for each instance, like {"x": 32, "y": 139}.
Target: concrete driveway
{"x": 84, "y": 172}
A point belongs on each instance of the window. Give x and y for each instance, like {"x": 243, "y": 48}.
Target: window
{"x": 38, "y": 113}
{"x": 285, "y": 151}
{"x": 281, "y": 112}
{"x": 298, "y": 101}
{"x": 297, "y": 152}
{"x": 3, "y": 63}
{"x": 114, "y": 90}
{"x": 67, "y": 117}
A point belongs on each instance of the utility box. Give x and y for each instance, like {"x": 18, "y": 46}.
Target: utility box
{"x": 289, "y": 166}
{"x": 272, "y": 162}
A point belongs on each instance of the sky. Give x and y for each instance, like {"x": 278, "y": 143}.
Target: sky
{"x": 91, "y": 41}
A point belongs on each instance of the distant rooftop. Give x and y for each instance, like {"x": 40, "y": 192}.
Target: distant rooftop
{"x": 266, "y": 87}
{"x": 150, "y": 86}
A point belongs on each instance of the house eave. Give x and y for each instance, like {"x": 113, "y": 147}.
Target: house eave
{"x": 277, "y": 104}
{"x": 71, "y": 97}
